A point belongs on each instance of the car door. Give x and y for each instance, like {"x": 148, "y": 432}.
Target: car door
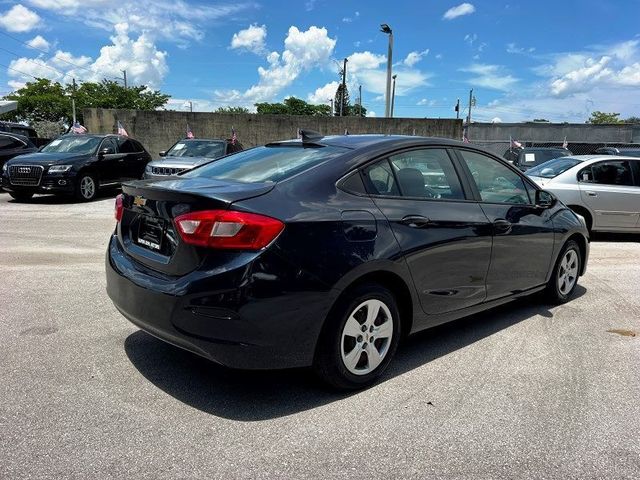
{"x": 135, "y": 158}
{"x": 445, "y": 238}
{"x": 610, "y": 191}
{"x": 111, "y": 164}
{"x": 523, "y": 234}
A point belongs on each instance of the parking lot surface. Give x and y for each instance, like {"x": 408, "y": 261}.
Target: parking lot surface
{"x": 522, "y": 391}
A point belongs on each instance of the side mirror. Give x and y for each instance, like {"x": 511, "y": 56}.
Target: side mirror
{"x": 544, "y": 199}
{"x": 163, "y": 153}
{"x": 105, "y": 151}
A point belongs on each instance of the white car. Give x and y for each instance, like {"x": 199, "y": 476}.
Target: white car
{"x": 604, "y": 189}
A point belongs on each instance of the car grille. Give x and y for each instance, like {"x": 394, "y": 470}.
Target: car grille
{"x": 25, "y": 175}
{"x": 166, "y": 170}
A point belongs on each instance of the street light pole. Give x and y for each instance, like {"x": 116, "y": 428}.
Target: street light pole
{"x": 393, "y": 94}
{"x": 384, "y": 28}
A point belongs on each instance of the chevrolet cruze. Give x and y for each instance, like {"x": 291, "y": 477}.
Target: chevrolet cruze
{"x": 326, "y": 251}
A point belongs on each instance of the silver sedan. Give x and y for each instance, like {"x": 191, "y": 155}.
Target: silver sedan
{"x": 604, "y": 189}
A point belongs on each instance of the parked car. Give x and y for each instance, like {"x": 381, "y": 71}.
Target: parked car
{"x": 188, "y": 153}
{"x": 627, "y": 152}
{"x": 19, "y": 129}
{"x": 604, "y": 189}
{"x": 531, "y": 156}
{"x": 12, "y": 145}
{"x": 75, "y": 165}
{"x": 325, "y": 251}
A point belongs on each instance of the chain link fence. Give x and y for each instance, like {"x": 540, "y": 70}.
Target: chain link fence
{"x": 501, "y": 148}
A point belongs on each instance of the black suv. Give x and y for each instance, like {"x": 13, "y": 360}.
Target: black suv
{"x": 19, "y": 129}
{"x": 12, "y": 145}
{"x": 528, "y": 157}
{"x": 75, "y": 165}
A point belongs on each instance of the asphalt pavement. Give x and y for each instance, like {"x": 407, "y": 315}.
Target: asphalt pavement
{"x": 522, "y": 391}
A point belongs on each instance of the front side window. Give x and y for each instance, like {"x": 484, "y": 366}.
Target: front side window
{"x": 380, "y": 180}
{"x": 607, "y": 173}
{"x": 496, "y": 183}
{"x": 427, "y": 173}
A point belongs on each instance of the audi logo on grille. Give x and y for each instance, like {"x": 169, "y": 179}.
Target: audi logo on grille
{"x": 24, "y": 169}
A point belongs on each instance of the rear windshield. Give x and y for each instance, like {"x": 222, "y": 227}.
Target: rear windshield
{"x": 536, "y": 157}
{"x": 553, "y": 168}
{"x": 266, "y": 164}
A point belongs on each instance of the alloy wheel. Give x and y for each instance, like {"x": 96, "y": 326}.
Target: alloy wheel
{"x": 87, "y": 187}
{"x": 568, "y": 272}
{"x": 366, "y": 337}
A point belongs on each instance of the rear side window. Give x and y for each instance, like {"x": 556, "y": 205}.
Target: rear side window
{"x": 380, "y": 179}
{"x": 126, "y": 146}
{"x": 607, "y": 173}
{"x": 427, "y": 173}
{"x": 496, "y": 182}
{"x": 271, "y": 163}
{"x": 9, "y": 143}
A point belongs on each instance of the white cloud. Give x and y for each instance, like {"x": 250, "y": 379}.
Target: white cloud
{"x": 470, "y": 38}
{"x": 496, "y": 120}
{"x": 252, "y": 39}
{"x": 490, "y": 76}
{"x": 414, "y": 57}
{"x": 144, "y": 63}
{"x": 303, "y": 50}
{"x": 172, "y": 20}
{"x": 458, "y": 11}
{"x": 513, "y": 48}
{"x": 19, "y": 19}
{"x": 39, "y": 43}
{"x": 347, "y": 19}
{"x": 323, "y": 94}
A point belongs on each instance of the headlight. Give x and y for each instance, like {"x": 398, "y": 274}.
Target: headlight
{"x": 59, "y": 168}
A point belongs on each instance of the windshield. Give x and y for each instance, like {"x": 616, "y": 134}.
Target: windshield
{"x": 77, "y": 144}
{"x": 265, "y": 164}
{"x": 197, "y": 148}
{"x": 553, "y": 168}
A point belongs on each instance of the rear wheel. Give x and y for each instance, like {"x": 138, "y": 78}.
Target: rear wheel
{"x": 21, "y": 196}
{"x": 564, "y": 279}
{"x": 86, "y": 187}
{"x": 360, "y": 338}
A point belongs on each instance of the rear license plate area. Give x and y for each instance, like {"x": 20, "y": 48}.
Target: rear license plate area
{"x": 151, "y": 231}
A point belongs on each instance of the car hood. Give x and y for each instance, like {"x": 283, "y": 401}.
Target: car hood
{"x": 180, "y": 162}
{"x": 47, "y": 159}
{"x": 540, "y": 181}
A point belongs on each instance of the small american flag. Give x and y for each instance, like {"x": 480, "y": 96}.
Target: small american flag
{"x": 299, "y": 133}
{"x": 79, "y": 129}
{"x": 514, "y": 144}
{"x": 234, "y": 137}
{"x": 465, "y": 138}
{"x": 121, "y": 130}
{"x": 346, "y": 131}
{"x": 189, "y": 132}
{"x": 565, "y": 144}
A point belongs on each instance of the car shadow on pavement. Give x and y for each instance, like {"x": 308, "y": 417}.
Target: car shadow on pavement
{"x": 262, "y": 395}
{"x": 615, "y": 237}
{"x": 66, "y": 199}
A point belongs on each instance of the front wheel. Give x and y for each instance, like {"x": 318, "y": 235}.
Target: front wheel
{"x": 564, "y": 278}
{"x": 86, "y": 187}
{"x": 21, "y": 196}
{"x": 360, "y": 338}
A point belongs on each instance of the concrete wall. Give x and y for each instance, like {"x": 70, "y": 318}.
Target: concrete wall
{"x": 158, "y": 130}
{"x": 554, "y": 132}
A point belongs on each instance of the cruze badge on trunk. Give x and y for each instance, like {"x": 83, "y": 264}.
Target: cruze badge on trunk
{"x": 139, "y": 201}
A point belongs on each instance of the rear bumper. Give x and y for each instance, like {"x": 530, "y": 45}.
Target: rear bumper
{"x": 248, "y": 327}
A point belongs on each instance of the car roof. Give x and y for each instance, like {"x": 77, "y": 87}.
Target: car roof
{"x": 95, "y": 135}
{"x": 19, "y": 125}
{"x": 202, "y": 139}
{"x": 369, "y": 140}
{"x": 545, "y": 149}
{"x": 16, "y": 135}
{"x": 596, "y": 158}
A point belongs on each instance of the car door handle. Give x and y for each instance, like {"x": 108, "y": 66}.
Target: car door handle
{"x": 502, "y": 226}
{"x": 592, "y": 194}
{"x": 415, "y": 221}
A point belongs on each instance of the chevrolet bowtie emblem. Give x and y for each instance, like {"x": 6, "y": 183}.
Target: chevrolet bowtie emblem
{"x": 139, "y": 201}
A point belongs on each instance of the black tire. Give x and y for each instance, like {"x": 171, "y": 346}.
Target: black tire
{"x": 329, "y": 364}
{"x": 21, "y": 196}
{"x": 555, "y": 293}
{"x": 83, "y": 192}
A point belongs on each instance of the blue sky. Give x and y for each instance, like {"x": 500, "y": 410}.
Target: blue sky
{"x": 524, "y": 59}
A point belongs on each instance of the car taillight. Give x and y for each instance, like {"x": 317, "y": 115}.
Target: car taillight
{"x": 119, "y": 207}
{"x": 228, "y": 229}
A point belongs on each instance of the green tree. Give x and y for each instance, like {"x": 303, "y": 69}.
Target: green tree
{"x": 632, "y": 120}
{"x": 44, "y": 100}
{"x": 597, "y": 118}
{"x": 342, "y": 98}
{"x": 293, "y": 106}
{"x": 231, "y": 110}
{"x": 540, "y": 120}
{"x": 40, "y": 100}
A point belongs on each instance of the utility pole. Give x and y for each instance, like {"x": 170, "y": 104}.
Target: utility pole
{"x": 384, "y": 28}
{"x": 124, "y": 72}
{"x": 191, "y": 106}
{"x": 458, "y": 109}
{"x": 344, "y": 87}
{"x": 359, "y": 100}
{"x": 393, "y": 94}
{"x": 331, "y": 100}
{"x": 470, "y": 103}
{"x": 73, "y": 100}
